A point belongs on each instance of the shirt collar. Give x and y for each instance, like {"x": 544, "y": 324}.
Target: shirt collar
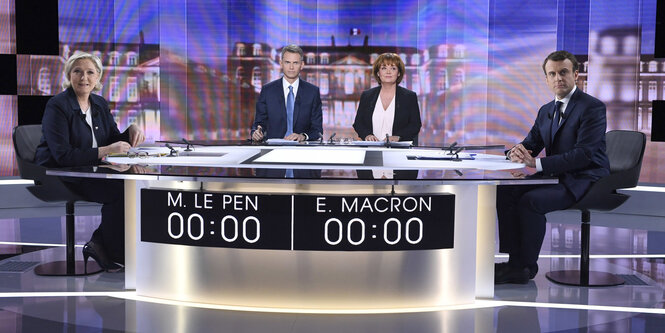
{"x": 286, "y": 84}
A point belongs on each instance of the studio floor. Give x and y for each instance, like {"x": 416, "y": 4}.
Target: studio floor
{"x": 629, "y": 244}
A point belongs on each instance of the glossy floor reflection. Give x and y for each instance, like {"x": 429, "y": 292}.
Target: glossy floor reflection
{"x": 98, "y": 303}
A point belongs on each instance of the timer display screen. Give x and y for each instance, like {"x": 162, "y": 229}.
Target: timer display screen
{"x": 298, "y": 222}
{"x": 368, "y": 223}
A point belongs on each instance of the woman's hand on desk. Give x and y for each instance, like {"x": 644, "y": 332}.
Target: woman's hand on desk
{"x": 120, "y": 147}
{"x": 136, "y": 135}
{"x": 371, "y": 137}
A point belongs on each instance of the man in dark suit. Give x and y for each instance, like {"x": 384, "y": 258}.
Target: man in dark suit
{"x": 289, "y": 107}
{"x": 571, "y": 129}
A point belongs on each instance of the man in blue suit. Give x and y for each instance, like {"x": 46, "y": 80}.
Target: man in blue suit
{"x": 571, "y": 129}
{"x": 289, "y": 107}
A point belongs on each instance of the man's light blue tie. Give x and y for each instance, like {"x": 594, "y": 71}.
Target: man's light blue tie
{"x": 289, "y": 122}
{"x": 289, "y": 112}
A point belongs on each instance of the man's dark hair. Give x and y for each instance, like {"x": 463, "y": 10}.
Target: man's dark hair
{"x": 561, "y": 56}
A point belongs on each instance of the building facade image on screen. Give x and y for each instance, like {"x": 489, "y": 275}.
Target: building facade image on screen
{"x": 194, "y": 69}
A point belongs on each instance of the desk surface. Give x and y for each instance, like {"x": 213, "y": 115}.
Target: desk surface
{"x": 336, "y": 163}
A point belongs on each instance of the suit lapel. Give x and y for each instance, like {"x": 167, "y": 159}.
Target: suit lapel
{"x": 279, "y": 89}
{"x": 568, "y": 112}
{"x": 296, "y": 103}
{"x": 397, "y": 118}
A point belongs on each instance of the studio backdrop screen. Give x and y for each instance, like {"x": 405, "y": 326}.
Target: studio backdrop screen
{"x": 194, "y": 69}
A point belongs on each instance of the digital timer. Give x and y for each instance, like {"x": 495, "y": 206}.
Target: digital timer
{"x": 298, "y": 222}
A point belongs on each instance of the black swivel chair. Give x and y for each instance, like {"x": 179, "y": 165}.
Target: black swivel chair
{"x": 49, "y": 189}
{"x": 625, "y": 150}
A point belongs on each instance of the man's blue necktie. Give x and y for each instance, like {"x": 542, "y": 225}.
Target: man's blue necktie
{"x": 557, "y": 117}
{"x": 289, "y": 122}
{"x": 289, "y": 112}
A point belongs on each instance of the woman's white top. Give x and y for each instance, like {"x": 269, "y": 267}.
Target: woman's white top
{"x": 382, "y": 120}
{"x": 88, "y": 119}
{"x": 382, "y": 125}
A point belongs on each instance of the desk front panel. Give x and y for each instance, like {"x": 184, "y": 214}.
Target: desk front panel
{"x": 321, "y": 279}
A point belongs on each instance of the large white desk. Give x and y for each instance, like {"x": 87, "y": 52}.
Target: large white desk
{"x": 291, "y": 278}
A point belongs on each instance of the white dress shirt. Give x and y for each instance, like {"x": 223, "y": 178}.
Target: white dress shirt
{"x": 286, "y": 85}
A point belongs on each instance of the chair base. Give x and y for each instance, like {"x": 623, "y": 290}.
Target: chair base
{"x": 596, "y": 279}
{"x": 59, "y": 268}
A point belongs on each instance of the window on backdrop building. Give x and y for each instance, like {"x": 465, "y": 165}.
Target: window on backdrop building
{"x": 403, "y": 57}
{"x": 44, "y": 81}
{"x": 256, "y": 77}
{"x": 132, "y": 58}
{"x": 114, "y": 89}
{"x": 442, "y": 80}
{"x": 442, "y": 51}
{"x": 653, "y": 90}
{"x": 240, "y": 72}
{"x": 132, "y": 89}
{"x": 630, "y": 45}
{"x": 608, "y": 45}
{"x": 98, "y": 54}
{"x": 325, "y": 58}
{"x": 311, "y": 78}
{"x": 240, "y": 50}
{"x": 114, "y": 58}
{"x": 640, "y": 91}
{"x": 626, "y": 92}
{"x": 415, "y": 59}
{"x": 653, "y": 66}
{"x": 324, "y": 84}
{"x": 256, "y": 50}
{"x": 348, "y": 83}
{"x": 311, "y": 58}
{"x": 459, "y": 77}
{"x": 459, "y": 51}
{"x": 132, "y": 117}
{"x": 415, "y": 82}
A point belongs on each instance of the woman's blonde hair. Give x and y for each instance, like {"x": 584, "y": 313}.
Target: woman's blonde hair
{"x": 78, "y": 55}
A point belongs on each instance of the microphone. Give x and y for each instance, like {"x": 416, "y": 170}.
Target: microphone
{"x": 452, "y": 147}
{"x": 82, "y": 115}
{"x": 331, "y": 138}
{"x": 564, "y": 115}
{"x": 549, "y": 115}
{"x": 387, "y": 140}
{"x": 189, "y": 144}
{"x": 173, "y": 152}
